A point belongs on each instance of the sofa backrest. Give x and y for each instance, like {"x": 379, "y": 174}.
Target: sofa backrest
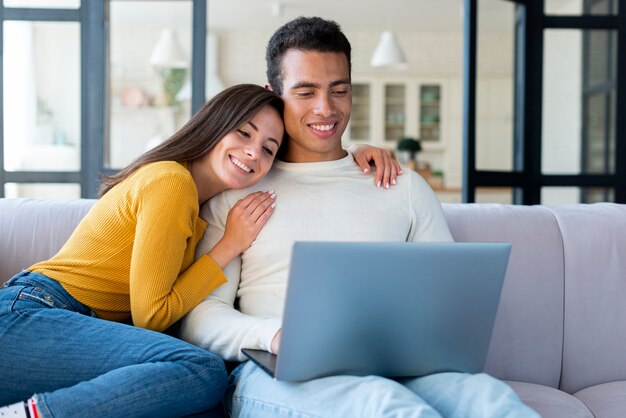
{"x": 594, "y": 238}
{"x": 33, "y": 230}
{"x": 561, "y": 320}
{"x": 527, "y": 340}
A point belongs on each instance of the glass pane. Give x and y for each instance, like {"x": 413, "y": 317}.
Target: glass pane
{"x": 42, "y": 190}
{"x": 150, "y": 91}
{"x": 360, "y": 119}
{"x": 43, "y": 4}
{"x": 596, "y": 149}
{"x": 599, "y": 47}
{"x": 495, "y": 85}
{"x": 41, "y": 96}
{"x": 574, "y": 195}
{"x": 430, "y": 112}
{"x": 580, "y": 7}
{"x": 502, "y": 195}
{"x": 578, "y": 133}
{"x": 394, "y": 112}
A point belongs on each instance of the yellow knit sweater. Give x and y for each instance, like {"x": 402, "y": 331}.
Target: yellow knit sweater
{"x": 132, "y": 255}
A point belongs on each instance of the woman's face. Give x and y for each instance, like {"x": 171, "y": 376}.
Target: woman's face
{"x": 244, "y": 156}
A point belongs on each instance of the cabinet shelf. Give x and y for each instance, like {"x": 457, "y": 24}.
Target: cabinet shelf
{"x": 429, "y": 112}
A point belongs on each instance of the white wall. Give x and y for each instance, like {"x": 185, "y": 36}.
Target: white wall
{"x": 433, "y": 56}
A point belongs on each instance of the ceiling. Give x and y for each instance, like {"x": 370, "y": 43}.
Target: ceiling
{"x": 352, "y": 15}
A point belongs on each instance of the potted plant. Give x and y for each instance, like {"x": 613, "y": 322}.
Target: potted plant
{"x": 408, "y": 148}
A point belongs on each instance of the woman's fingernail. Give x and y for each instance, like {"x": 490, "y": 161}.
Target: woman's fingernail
{"x": 365, "y": 171}
{"x": 394, "y": 182}
{"x": 378, "y": 184}
{"x": 273, "y": 205}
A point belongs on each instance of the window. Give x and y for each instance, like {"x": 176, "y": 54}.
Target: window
{"x": 568, "y": 144}
{"x": 55, "y": 109}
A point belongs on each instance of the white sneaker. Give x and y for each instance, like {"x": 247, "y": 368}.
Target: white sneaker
{"x": 17, "y": 410}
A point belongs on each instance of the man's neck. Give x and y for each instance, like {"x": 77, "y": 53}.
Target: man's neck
{"x": 299, "y": 156}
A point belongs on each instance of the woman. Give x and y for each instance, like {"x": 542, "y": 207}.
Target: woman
{"x": 78, "y": 329}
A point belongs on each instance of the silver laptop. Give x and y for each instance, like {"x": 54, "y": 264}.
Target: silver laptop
{"x": 387, "y": 309}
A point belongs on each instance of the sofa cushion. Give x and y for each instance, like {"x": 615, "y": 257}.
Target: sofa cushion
{"x": 528, "y": 333}
{"x": 607, "y": 400}
{"x": 550, "y": 402}
{"x": 594, "y": 239}
{"x": 34, "y": 230}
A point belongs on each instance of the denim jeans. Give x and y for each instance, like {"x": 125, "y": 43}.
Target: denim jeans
{"x": 253, "y": 393}
{"x": 78, "y": 365}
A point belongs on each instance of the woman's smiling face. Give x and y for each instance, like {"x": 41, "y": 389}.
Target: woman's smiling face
{"x": 244, "y": 156}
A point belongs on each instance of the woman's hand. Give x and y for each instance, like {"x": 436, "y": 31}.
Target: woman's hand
{"x": 387, "y": 169}
{"x": 243, "y": 224}
{"x": 275, "y": 343}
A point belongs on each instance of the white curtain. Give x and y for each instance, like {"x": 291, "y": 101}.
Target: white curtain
{"x": 20, "y": 92}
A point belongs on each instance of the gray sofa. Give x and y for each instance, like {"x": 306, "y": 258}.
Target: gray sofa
{"x": 560, "y": 334}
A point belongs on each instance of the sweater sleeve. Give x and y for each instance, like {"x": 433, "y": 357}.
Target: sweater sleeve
{"x": 215, "y": 324}
{"x": 428, "y": 223}
{"x": 160, "y": 293}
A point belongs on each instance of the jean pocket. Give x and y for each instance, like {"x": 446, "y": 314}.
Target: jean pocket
{"x": 40, "y": 298}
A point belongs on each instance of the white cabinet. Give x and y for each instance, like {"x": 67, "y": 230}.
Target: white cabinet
{"x": 387, "y": 109}
{"x": 383, "y": 111}
{"x": 361, "y": 120}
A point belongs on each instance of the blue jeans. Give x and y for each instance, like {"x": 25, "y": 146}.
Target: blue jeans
{"x": 78, "y": 365}
{"x": 452, "y": 395}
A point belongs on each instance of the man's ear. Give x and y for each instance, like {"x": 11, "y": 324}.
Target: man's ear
{"x": 268, "y": 86}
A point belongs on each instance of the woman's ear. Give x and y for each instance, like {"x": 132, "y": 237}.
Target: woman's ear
{"x": 268, "y": 86}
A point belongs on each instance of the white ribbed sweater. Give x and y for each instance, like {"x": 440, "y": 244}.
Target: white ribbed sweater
{"x": 322, "y": 201}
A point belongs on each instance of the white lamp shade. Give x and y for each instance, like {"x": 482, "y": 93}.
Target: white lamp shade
{"x": 388, "y": 53}
{"x": 168, "y": 53}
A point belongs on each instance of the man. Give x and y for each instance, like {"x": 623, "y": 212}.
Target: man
{"x": 322, "y": 195}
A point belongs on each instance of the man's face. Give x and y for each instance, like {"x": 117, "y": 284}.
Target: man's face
{"x": 318, "y": 100}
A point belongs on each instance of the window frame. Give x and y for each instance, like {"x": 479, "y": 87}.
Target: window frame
{"x": 92, "y": 16}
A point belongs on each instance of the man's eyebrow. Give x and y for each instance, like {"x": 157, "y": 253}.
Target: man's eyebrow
{"x": 305, "y": 84}
{"x": 339, "y": 82}
{"x": 269, "y": 139}
{"x": 309, "y": 84}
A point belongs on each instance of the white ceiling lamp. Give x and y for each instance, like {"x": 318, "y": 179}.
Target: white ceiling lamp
{"x": 388, "y": 53}
{"x": 277, "y": 8}
{"x": 169, "y": 60}
{"x": 167, "y": 53}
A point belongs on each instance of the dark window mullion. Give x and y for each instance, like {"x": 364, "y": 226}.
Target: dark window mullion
{"x": 198, "y": 56}
{"x": 42, "y": 177}
{"x": 580, "y": 22}
{"x": 2, "y": 179}
{"x": 533, "y": 102}
{"x": 468, "y": 191}
{"x": 93, "y": 94}
{"x": 620, "y": 108}
{"x": 42, "y": 15}
{"x": 577, "y": 180}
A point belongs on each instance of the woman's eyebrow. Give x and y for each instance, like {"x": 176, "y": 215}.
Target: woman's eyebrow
{"x": 269, "y": 139}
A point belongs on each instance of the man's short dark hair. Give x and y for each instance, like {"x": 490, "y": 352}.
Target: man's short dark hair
{"x": 306, "y": 34}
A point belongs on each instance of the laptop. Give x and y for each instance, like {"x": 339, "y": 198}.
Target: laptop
{"x": 387, "y": 308}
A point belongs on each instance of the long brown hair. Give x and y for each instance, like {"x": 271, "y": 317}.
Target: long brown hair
{"x": 224, "y": 113}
